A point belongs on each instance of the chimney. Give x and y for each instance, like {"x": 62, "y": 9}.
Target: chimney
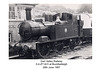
{"x": 28, "y": 13}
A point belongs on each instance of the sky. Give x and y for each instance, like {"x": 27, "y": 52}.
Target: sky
{"x": 72, "y": 6}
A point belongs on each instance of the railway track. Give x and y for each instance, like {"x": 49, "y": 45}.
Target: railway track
{"x": 55, "y": 54}
{"x": 72, "y": 54}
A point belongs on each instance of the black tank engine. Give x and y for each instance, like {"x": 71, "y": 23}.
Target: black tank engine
{"x": 38, "y": 39}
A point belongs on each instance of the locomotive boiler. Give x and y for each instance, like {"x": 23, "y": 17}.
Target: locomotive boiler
{"x": 30, "y": 30}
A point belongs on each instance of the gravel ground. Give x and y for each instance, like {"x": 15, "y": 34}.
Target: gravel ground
{"x": 80, "y": 52}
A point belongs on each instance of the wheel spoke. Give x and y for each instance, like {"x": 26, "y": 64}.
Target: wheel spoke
{"x": 43, "y": 50}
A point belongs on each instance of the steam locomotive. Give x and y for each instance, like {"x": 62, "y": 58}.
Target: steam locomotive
{"x": 38, "y": 39}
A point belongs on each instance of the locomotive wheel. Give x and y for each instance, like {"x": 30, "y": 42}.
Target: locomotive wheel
{"x": 78, "y": 42}
{"x": 60, "y": 47}
{"x": 33, "y": 54}
{"x": 23, "y": 51}
{"x": 72, "y": 45}
{"x": 43, "y": 50}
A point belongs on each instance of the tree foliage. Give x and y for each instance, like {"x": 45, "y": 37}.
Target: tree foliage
{"x": 85, "y": 8}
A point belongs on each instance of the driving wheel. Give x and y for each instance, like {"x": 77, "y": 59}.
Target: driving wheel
{"x": 43, "y": 50}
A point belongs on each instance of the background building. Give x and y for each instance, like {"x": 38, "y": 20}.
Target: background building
{"x": 17, "y": 14}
